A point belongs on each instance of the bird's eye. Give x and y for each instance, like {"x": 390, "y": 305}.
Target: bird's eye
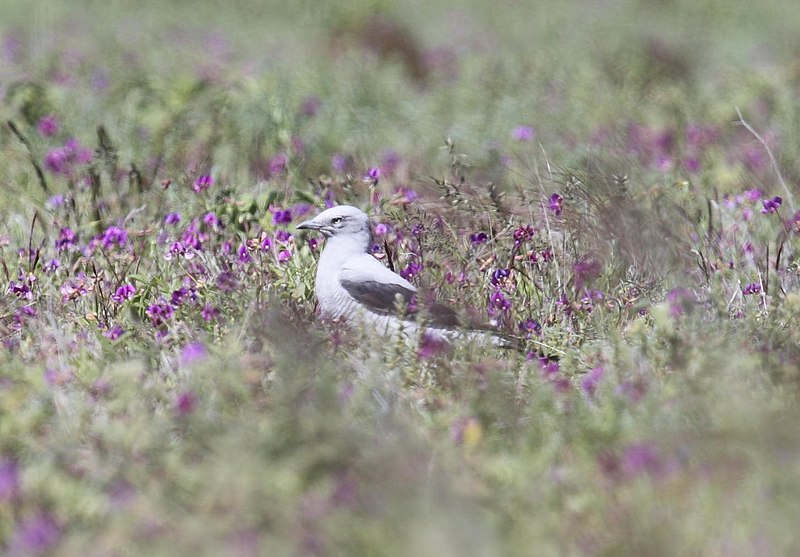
{"x": 336, "y": 220}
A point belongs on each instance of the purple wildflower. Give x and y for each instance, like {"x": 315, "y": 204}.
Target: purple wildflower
{"x": 202, "y": 183}
{"x": 411, "y": 270}
{"x": 266, "y": 243}
{"x": 555, "y": 203}
{"x": 243, "y": 255}
{"x": 61, "y": 160}
{"x": 35, "y": 535}
{"x": 373, "y": 174}
{"x": 185, "y": 403}
{"x": 192, "y": 353}
{"x": 592, "y": 379}
{"x": 114, "y": 235}
{"x": 309, "y": 106}
{"x": 179, "y": 296}
{"x": 278, "y": 163}
{"x": 52, "y": 266}
{"x": 55, "y": 201}
{"x": 209, "y": 312}
{"x": 530, "y": 326}
{"x": 498, "y": 302}
{"x": 21, "y": 288}
{"x": 211, "y": 220}
{"x": 284, "y": 256}
{"x": 771, "y": 205}
{"x": 160, "y": 313}
{"x": 9, "y": 479}
{"x": 523, "y": 234}
{"x": 752, "y": 288}
{"x": 313, "y": 243}
{"x": 172, "y": 218}
{"x": 114, "y": 332}
{"x": 523, "y": 133}
{"x": 226, "y": 281}
{"x": 47, "y": 126}
{"x": 280, "y": 216}
{"x": 499, "y": 276}
{"x": 339, "y": 163}
{"x": 429, "y": 346}
{"x": 124, "y": 292}
{"x": 680, "y": 300}
{"x": 478, "y": 238}
{"x": 66, "y": 239}
{"x": 381, "y": 229}
{"x": 586, "y": 270}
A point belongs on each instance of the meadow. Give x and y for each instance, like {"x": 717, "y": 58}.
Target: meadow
{"x": 610, "y": 182}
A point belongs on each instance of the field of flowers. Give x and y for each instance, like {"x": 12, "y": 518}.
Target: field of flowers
{"x": 610, "y": 182}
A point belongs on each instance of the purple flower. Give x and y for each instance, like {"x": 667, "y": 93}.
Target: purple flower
{"x": 209, "y": 312}
{"x": 226, "y": 281}
{"x": 771, "y": 205}
{"x": 283, "y": 236}
{"x": 523, "y": 133}
{"x": 9, "y": 479}
{"x": 309, "y": 106}
{"x": 381, "y": 229}
{"x": 313, "y": 243}
{"x": 61, "y": 160}
{"x": 680, "y": 300}
{"x": 192, "y": 353}
{"x": 277, "y": 164}
{"x": 114, "y": 235}
{"x": 498, "y": 302}
{"x": 172, "y": 218}
{"x": 284, "y": 256}
{"x": 211, "y": 220}
{"x": 66, "y": 239}
{"x": 411, "y": 270}
{"x": 339, "y": 163}
{"x": 555, "y": 203}
{"x": 266, "y": 243}
{"x": 160, "y": 313}
{"x": 429, "y": 346}
{"x": 185, "y": 403}
{"x": 114, "y": 332}
{"x": 52, "y": 266}
{"x": 586, "y": 270}
{"x": 373, "y": 174}
{"x": 478, "y": 238}
{"x": 47, "y": 126}
{"x": 281, "y": 216}
{"x": 202, "y": 183}
{"x": 21, "y": 289}
{"x": 591, "y": 380}
{"x": 35, "y": 535}
{"x": 752, "y": 288}
{"x": 530, "y": 326}
{"x": 523, "y": 234}
{"x": 243, "y": 255}
{"x": 55, "y": 201}
{"x": 124, "y": 292}
{"x": 179, "y": 296}
{"x": 499, "y": 276}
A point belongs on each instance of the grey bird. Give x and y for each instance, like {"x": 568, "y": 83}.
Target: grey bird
{"x": 353, "y": 286}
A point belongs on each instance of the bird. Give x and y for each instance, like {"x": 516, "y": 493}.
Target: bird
{"x": 352, "y": 286}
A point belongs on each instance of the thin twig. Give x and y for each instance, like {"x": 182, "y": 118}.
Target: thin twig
{"x": 39, "y": 174}
{"x": 774, "y": 162}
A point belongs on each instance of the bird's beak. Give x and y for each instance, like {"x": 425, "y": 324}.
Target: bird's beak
{"x": 308, "y": 225}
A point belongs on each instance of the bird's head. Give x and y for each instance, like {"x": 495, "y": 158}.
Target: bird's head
{"x": 340, "y": 221}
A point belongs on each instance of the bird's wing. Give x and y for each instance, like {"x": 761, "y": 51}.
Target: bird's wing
{"x": 376, "y": 287}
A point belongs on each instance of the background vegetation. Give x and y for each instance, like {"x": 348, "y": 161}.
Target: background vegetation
{"x": 613, "y": 182}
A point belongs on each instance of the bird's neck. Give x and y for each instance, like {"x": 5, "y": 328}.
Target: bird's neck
{"x": 339, "y": 249}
